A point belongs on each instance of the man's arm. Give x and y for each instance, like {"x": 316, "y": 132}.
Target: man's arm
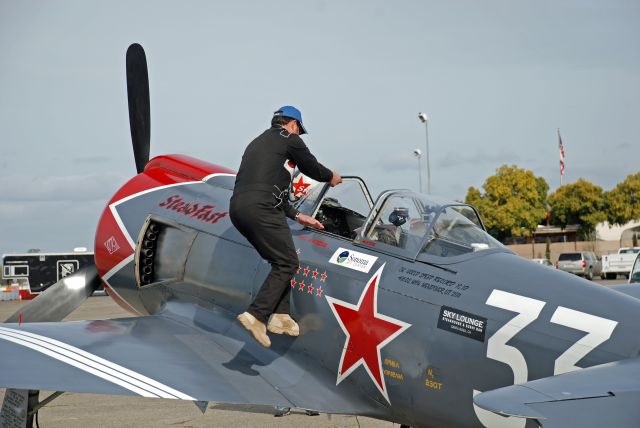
{"x": 306, "y": 162}
{"x": 289, "y": 210}
{"x": 303, "y": 219}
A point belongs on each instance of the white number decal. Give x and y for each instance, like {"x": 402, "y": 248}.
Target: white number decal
{"x": 598, "y": 330}
{"x": 528, "y": 310}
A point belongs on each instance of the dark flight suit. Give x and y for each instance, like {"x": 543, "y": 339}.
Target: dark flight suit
{"x": 260, "y": 216}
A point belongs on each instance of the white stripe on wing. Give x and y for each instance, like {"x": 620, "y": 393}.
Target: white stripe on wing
{"x": 93, "y": 364}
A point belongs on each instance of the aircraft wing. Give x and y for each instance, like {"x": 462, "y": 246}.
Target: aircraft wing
{"x": 168, "y": 357}
{"x": 604, "y": 395}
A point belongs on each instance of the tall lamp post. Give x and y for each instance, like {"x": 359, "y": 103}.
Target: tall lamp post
{"x": 424, "y": 119}
{"x": 418, "y": 153}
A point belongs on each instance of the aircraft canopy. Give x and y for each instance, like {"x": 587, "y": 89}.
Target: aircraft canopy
{"x": 402, "y": 222}
{"x": 423, "y": 225}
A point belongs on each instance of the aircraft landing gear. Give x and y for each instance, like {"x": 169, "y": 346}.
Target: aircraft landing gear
{"x": 20, "y": 407}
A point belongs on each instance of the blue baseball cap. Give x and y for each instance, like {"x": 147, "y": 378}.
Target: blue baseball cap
{"x": 293, "y": 113}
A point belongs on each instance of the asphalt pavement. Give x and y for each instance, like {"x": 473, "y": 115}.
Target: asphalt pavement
{"x": 619, "y": 280}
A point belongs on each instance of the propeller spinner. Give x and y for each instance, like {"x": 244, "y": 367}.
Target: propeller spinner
{"x": 138, "y": 94}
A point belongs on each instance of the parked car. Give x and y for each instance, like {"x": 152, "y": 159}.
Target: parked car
{"x": 544, "y": 262}
{"x": 583, "y": 263}
{"x": 619, "y": 263}
{"x": 634, "y": 276}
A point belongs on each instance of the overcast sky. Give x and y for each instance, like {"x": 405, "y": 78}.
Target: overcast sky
{"x": 496, "y": 78}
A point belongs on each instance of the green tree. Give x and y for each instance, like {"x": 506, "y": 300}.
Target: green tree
{"x": 578, "y": 203}
{"x": 622, "y": 203}
{"x": 513, "y": 202}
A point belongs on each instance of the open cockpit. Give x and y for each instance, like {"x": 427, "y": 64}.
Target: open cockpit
{"x": 400, "y": 222}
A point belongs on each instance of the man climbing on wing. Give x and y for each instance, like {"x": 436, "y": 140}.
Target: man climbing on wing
{"x": 258, "y": 209}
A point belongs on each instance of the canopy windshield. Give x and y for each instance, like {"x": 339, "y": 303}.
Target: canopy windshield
{"x": 401, "y": 222}
{"x": 417, "y": 224}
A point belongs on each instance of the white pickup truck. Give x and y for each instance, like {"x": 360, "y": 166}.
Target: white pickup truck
{"x": 619, "y": 263}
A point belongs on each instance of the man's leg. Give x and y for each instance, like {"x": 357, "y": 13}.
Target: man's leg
{"x": 267, "y": 230}
{"x": 276, "y": 246}
{"x": 284, "y": 307}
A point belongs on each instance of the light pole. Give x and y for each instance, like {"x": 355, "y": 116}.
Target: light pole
{"x": 424, "y": 119}
{"x": 417, "y": 153}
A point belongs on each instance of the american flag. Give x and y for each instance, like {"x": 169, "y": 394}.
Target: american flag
{"x": 561, "y": 148}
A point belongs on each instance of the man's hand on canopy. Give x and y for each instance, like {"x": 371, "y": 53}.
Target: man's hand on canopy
{"x": 309, "y": 221}
{"x": 335, "y": 179}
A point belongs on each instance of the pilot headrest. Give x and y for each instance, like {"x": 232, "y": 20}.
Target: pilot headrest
{"x": 399, "y": 216}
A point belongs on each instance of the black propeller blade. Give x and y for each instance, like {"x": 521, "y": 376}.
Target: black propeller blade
{"x": 138, "y": 93}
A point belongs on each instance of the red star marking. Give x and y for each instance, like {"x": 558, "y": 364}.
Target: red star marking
{"x": 310, "y": 289}
{"x": 298, "y": 270}
{"x": 323, "y": 277}
{"x": 367, "y": 333}
{"x": 306, "y": 271}
{"x": 315, "y": 273}
{"x": 319, "y": 291}
{"x": 300, "y": 188}
{"x": 293, "y": 283}
{"x": 301, "y": 284}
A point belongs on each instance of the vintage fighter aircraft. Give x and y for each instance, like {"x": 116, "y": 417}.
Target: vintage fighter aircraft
{"x": 409, "y": 311}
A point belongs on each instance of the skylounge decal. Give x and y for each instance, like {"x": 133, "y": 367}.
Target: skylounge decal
{"x": 462, "y": 323}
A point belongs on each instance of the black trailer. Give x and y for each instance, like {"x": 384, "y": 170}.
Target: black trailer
{"x": 41, "y": 270}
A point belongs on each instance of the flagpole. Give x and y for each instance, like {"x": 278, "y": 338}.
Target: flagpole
{"x": 561, "y": 149}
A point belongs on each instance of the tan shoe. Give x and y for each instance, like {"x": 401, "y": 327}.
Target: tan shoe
{"x": 283, "y": 324}
{"x": 255, "y": 327}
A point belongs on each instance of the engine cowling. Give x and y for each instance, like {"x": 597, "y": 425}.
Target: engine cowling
{"x": 115, "y": 243}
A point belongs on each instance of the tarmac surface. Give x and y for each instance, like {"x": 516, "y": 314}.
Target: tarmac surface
{"x": 91, "y": 410}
